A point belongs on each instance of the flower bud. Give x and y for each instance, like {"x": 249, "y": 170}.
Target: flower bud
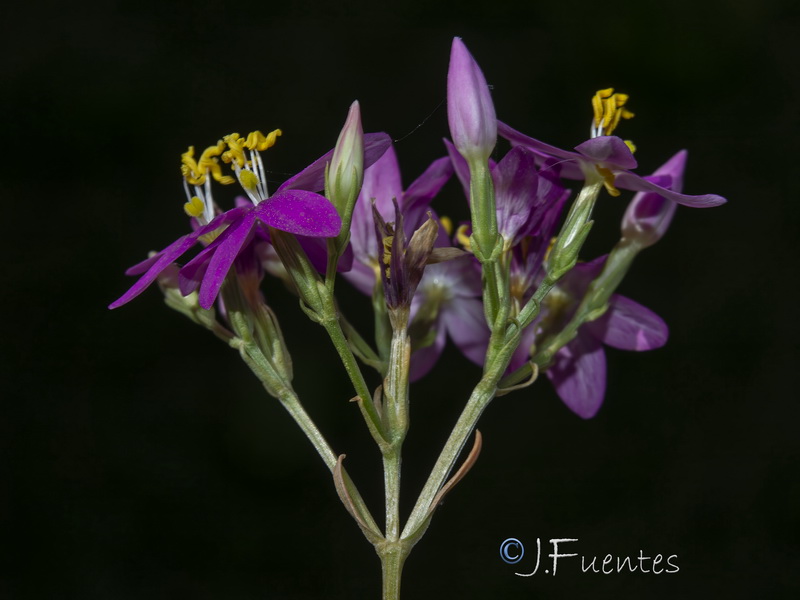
{"x": 470, "y": 111}
{"x": 648, "y": 215}
{"x": 346, "y": 170}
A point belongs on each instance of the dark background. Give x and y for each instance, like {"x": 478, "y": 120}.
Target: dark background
{"x": 141, "y": 459}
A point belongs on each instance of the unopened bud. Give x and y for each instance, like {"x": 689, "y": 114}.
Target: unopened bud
{"x": 470, "y": 111}
{"x": 346, "y": 171}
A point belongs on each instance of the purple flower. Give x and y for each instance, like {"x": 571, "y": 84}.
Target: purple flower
{"x": 523, "y": 196}
{"x": 448, "y": 304}
{"x": 470, "y": 111}
{"x": 606, "y": 156}
{"x": 578, "y": 370}
{"x": 649, "y": 215}
{"x": 294, "y": 208}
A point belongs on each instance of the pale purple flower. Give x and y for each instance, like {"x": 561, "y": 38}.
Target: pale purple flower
{"x": 649, "y": 215}
{"x": 578, "y": 370}
{"x": 523, "y": 196}
{"x": 470, "y": 111}
{"x": 609, "y": 157}
{"x": 448, "y": 304}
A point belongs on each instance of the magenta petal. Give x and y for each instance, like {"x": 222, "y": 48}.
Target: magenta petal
{"x": 165, "y": 258}
{"x": 579, "y": 375}
{"x": 224, "y": 254}
{"x": 145, "y": 265}
{"x": 424, "y": 359}
{"x": 628, "y": 325}
{"x": 216, "y": 223}
{"x": 313, "y": 176}
{"x": 300, "y": 212}
{"x": 608, "y": 149}
{"x": 192, "y": 273}
{"x": 629, "y": 181}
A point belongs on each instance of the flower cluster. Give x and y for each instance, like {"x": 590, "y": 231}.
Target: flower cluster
{"x": 515, "y": 262}
{"x": 511, "y": 286}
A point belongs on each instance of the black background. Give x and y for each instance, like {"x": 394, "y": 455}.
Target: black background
{"x": 141, "y": 459}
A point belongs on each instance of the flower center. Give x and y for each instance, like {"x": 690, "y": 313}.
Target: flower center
{"x": 609, "y": 109}
{"x": 250, "y": 173}
{"x": 249, "y": 169}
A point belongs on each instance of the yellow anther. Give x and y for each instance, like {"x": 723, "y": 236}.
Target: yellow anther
{"x": 609, "y": 109}
{"x": 608, "y": 180}
{"x": 447, "y": 223}
{"x": 258, "y": 141}
{"x": 463, "y": 238}
{"x": 195, "y": 171}
{"x": 387, "y": 254}
{"x": 631, "y": 146}
{"x": 195, "y": 207}
{"x": 235, "y": 152}
{"x": 210, "y": 164}
{"x": 189, "y": 168}
{"x": 249, "y": 180}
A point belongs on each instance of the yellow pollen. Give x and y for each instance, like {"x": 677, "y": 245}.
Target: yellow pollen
{"x": 235, "y": 152}
{"x": 255, "y": 140}
{"x": 631, "y": 146}
{"x": 249, "y": 180}
{"x": 387, "y": 254}
{"x": 195, "y": 171}
{"x": 608, "y": 180}
{"x": 447, "y": 223}
{"x": 195, "y": 207}
{"x": 609, "y": 109}
{"x": 463, "y": 238}
{"x": 258, "y": 141}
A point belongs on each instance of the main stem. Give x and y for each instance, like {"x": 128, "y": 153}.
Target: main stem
{"x": 393, "y": 557}
{"x": 393, "y": 551}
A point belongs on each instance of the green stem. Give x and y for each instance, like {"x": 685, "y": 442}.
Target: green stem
{"x": 395, "y": 410}
{"x": 391, "y": 484}
{"x": 393, "y": 557}
{"x": 331, "y": 324}
{"x": 484, "y": 212}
